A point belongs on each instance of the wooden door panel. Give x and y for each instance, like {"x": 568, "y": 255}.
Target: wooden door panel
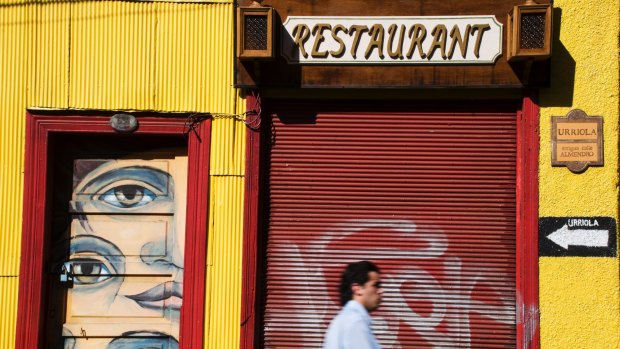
{"x": 107, "y": 307}
{"x": 132, "y": 236}
{"x": 123, "y": 252}
{"x": 134, "y": 340}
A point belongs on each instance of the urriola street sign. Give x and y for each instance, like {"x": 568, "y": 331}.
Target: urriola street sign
{"x": 577, "y": 236}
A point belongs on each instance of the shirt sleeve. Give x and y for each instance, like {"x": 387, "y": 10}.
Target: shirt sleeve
{"x": 359, "y": 336}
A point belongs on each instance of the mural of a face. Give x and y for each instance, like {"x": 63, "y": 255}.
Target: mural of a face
{"x": 126, "y": 253}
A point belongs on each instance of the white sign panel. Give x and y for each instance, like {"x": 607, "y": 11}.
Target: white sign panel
{"x": 391, "y": 40}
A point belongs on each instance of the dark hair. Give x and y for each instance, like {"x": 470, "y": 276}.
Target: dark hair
{"x": 355, "y": 273}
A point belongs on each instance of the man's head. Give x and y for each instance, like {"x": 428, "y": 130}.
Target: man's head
{"x": 361, "y": 281}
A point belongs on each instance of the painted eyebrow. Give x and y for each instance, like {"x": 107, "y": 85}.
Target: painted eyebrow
{"x": 101, "y": 247}
{"x": 95, "y": 244}
{"x": 147, "y": 174}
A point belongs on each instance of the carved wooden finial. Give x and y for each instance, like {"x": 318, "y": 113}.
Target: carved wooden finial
{"x": 531, "y": 2}
{"x": 256, "y": 3}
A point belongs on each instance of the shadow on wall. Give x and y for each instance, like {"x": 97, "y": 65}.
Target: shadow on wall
{"x": 562, "y": 87}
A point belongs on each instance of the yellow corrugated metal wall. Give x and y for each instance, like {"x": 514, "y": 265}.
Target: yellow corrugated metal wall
{"x": 16, "y": 34}
{"x": 112, "y": 55}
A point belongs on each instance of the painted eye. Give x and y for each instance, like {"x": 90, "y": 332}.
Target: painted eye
{"x": 128, "y": 196}
{"x": 89, "y": 271}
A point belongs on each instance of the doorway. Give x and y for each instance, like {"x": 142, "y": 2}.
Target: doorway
{"x": 114, "y": 234}
{"x": 117, "y": 242}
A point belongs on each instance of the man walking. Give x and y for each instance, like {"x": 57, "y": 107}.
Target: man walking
{"x": 360, "y": 294}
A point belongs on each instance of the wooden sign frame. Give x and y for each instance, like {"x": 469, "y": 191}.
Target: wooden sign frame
{"x": 278, "y": 73}
{"x": 577, "y": 141}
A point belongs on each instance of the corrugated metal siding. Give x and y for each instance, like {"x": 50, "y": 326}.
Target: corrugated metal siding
{"x": 112, "y": 55}
{"x": 429, "y": 197}
{"x": 152, "y": 56}
{"x": 16, "y": 51}
{"x": 201, "y": 78}
{"x": 8, "y": 310}
{"x": 16, "y": 33}
{"x": 224, "y": 263}
{"x": 51, "y": 61}
{"x": 230, "y": 147}
{"x": 223, "y": 291}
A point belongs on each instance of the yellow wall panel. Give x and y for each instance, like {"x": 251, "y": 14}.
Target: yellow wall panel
{"x": 51, "y": 75}
{"x": 8, "y": 310}
{"x": 180, "y": 80}
{"x": 579, "y": 296}
{"x": 219, "y": 33}
{"x": 17, "y": 28}
{"x": 200, "y": 79}
{"x": 223, "y": 283}
{"x": 112, "y": 55}
{"x": 228, "y": 153}
{"x": 584, "y": 76}
{"x": 579, "y": 303}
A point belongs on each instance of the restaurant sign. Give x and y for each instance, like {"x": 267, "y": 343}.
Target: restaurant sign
{"x": 391, "y": 40}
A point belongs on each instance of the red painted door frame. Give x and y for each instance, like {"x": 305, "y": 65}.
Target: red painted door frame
{"x": 32, "y": 288}
{"x": 528, "y": 327}
{"x": 528, "y": 143}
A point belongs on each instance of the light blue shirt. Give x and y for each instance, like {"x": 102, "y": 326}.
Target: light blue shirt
{"x": 350, "y": 329}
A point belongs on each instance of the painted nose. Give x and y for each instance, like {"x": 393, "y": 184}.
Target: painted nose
{"x": 154, "y": 254}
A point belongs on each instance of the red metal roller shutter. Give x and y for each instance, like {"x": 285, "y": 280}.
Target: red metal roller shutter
{"x": 429, "y": 197}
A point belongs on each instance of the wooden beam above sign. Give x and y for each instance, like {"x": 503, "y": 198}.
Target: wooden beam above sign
{"x": 461, "y": 57}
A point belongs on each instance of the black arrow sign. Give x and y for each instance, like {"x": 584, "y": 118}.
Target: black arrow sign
{"x": 577, "y": 236}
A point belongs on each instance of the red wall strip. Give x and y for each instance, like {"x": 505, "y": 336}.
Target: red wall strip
{"x": 251, "y": 222}
{"x": 528, "y": 325}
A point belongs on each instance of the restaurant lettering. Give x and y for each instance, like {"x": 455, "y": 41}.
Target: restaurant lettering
{"x": 380, "y": 40}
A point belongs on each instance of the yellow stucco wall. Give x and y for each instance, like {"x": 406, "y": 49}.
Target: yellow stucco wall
{"x": 579, "y": 297}
{"x": 113, "y": 55}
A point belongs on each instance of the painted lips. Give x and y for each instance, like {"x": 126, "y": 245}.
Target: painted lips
{"x": 166, "y": 295}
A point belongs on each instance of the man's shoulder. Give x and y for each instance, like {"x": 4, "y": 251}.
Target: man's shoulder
{"x": 347, "y": 318}
{"x": 344, "y": 325}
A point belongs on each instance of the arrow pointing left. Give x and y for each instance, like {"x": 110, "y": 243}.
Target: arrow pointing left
{"x": 580, "y": 237}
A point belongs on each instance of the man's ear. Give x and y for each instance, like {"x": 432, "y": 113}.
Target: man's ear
{"x": 355, "y": 287}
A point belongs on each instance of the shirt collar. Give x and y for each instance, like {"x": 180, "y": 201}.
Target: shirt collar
{"x": 358, "y": 308}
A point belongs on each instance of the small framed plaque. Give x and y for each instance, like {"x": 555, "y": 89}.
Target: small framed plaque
{"x": 577, "y": 140}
